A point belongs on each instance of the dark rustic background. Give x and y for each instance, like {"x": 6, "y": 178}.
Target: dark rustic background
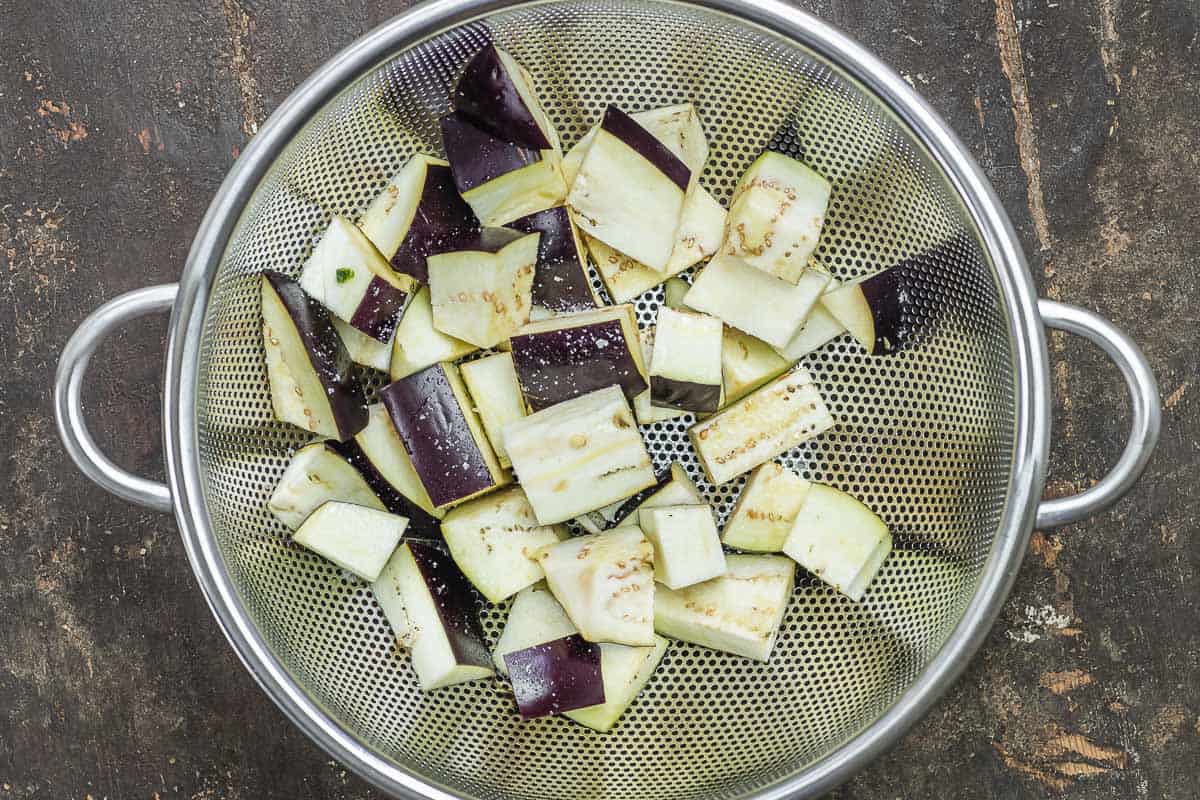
{"x": 118, "y": 121}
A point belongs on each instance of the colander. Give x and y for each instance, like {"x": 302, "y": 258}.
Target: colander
{"x": 947, "y": 440}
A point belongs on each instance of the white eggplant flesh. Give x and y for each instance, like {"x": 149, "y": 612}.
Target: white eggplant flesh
{"x": 605, "y": 583}
{"x": 535, "y": 617}
{"x": 579, "y": 455}
{"x": 687, "y": 547}
{"x": 818, "y": 330}
{"x": 838, "y": 539}
{"x": 493, "y": 539}
{"x": 483, "y": 295}
{"x": 315, "y": 476}
{"x": 645, "y": 411}
{"x": 761, "y": 426}
{"x": 492, "y": 383}
{"x": 776, "y": 215}
{"x": 740, "y": 612}
{"x": 678, "y": 491}
{"x": 686, "y": 371}
{"x": 382, "y": 446}
{"x": 356, "y": 538}
{"x": 762, "y": 519}
{"x": 419, "y": 345}
{"x": 747, "y": 363}
{"x": 363, "y": 349}
{"x": 753, "y": 301}
{"x": 677, "y": 127}
{"x": 386, "y": 589}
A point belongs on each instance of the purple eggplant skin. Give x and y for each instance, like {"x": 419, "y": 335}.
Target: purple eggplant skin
{"x": 560, "y": 283}
{"x": 703, "y": 398}
{"x": 476, "y": 157}
{"x": 642, "y": 142}
{"x": 442, "y": 218}
{"x": 486, "y": 240}
{"x": 558, "y": 365}
{"x": 326, "y": 353}
{"x": 421, "y": 523}
{"x": 557, "y": 676}
{"x": 456, "y": 600}
{"x": 380, "y": 310}
{"x": 899, "y": 297}
{"x": 436, "y": 436}
{"x": 487, "y": 95}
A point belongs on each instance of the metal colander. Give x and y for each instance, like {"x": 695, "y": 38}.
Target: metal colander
{"x": 946, "y": 440}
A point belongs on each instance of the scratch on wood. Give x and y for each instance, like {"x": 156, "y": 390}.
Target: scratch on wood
{"x": 1110, "y": 42}
{"x": 1174, "y": 397}
{"x": 1080, "y": 745}
{"x": 1012, "y": 63}
{"x": 1065, "y": 681}
{"x": 979, "y": 109}
{"x": 240, "y": 26}
{"x": 1167, "y": 724}
{"x": 1056, "y": 782}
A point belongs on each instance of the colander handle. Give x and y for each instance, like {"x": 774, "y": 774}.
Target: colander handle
{"x": 1147, "y": 413}
{"x": 68, "y": 407}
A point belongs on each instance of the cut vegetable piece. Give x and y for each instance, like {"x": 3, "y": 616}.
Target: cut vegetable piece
{"x": 818, "y": 330}
{"x": 493, "y": 540}
{"x": 687, "y": 548}
{"x": 630, "y": 190}
{"x": 686, "y": 371}
{"x": 759, "y": 427}
{"x": 497, "y": 94}
{"x": 419, "y": 345}
{"x": 382, "y": 449}
{"x": 699, "y": 236}
{"x": 753, "y": 301}
{"x": 762, "y": 519}
{"x": 747, "y": 363}
{"x": 838, "y": 539}
{"x": 677, "y": 127}
{"x": 447, "y": 639}
{"x": 308, "y": 367}
{"x": 562, "y": 358}
{"x": 386, "y": 589}
{"x": 739, "y": 612}
{"x": 316, "y": 475}
{"x": 534, "y": 618}
{"x": 875, "y": 310}
{"x": 501, "y": 181}
{"x": 442, "y": 435}
{"x": 579, "y": 455}
{"x": 363, "y": 349}
{"x": 556, "y": 676}
{"x": 776, "y": 215}
{"x": 626, "y": 671}
{"x": 605, "y": 583}
{"x": 645, "y": 411}
{"x": 418, "y": 214}
{"x": 673, "y": 291}
{"x": 492, "y": 382}
{"x": 356, "y": 538}
{"x": 560, "y": 284}
{"x": 677, "y": 491}
{"x": 349, "y": 276}
{"x": 480, "y": 292}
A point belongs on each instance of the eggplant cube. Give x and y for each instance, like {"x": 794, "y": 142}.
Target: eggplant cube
{"x": 442, "y": 435}
{"x": 579, "y": 455}
{"x": 419, "y": 345}
{"x": 317, "y": 474}
{"x": 739, "y": 612}
{"x": 687, "y": 548}
{"x": 492, "y": 382}
{"x": 838, "y": 539}
{"x": 762, "y": 519}
{"x": 630, "y": 191}
{"x": 561, "y": 284}
{"x": 557, "y": 676}
{"x": 776, "y": 215}
{"x": 356, "y": 538}
{"x": 747, "y": 363}
{"x": 418, "y": 214}
{"x": 818, "y": 330}
{"x": 645, "y": 411}
{"x": 874, "y": 309}
{"x": 382, "y": 449}
{"x": 481, "y": 292}
{"x": 534, "y": 617}
{"x": 501, "y": 180}
{"x": 363, "y": 349}
{"x": 493, "y": 539}
{"x": 700, "y": 232}
{"x": 308, "y": 367}
{"x": 754, "y": 302}
{"x": 497, "y": 93}
{"x": 757, "y": 428}
{"x": 565, "y": 357}
{"x": 445, "y": 634}
{"x": 686, "y": 370}
{"x": 605, "y": 583}
{"x": 349, "y": 276}
{"x": 675, "y": 489}
{"x": 386, "y": 589}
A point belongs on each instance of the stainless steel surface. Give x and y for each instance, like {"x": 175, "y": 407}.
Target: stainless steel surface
{"x": 68, "y": 402}
{"x": 947, "y": 440}
{"x": 1144, "y": 406}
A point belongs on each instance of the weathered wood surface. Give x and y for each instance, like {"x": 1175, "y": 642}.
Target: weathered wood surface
{"x": 118, "y": 121}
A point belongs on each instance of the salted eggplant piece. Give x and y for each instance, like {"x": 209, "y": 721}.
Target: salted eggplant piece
{"x": 496, "y": 94}
{"x": 420, "y": 521}
{"x": 686, "y": 370}
{"x": 308, "y": 366}
{"x": 562, "y": 675}
{"x": 560, "y": 284}
{"x": 476, "y": 157}
{"x": 353, "y": 537}
{"x": 318, "y": 473}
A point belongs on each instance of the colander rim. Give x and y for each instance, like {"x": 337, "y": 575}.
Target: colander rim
{"x": 999, "y": 239}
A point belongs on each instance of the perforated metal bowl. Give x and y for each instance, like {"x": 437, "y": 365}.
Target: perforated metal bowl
{"x": 947, "y": 440}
